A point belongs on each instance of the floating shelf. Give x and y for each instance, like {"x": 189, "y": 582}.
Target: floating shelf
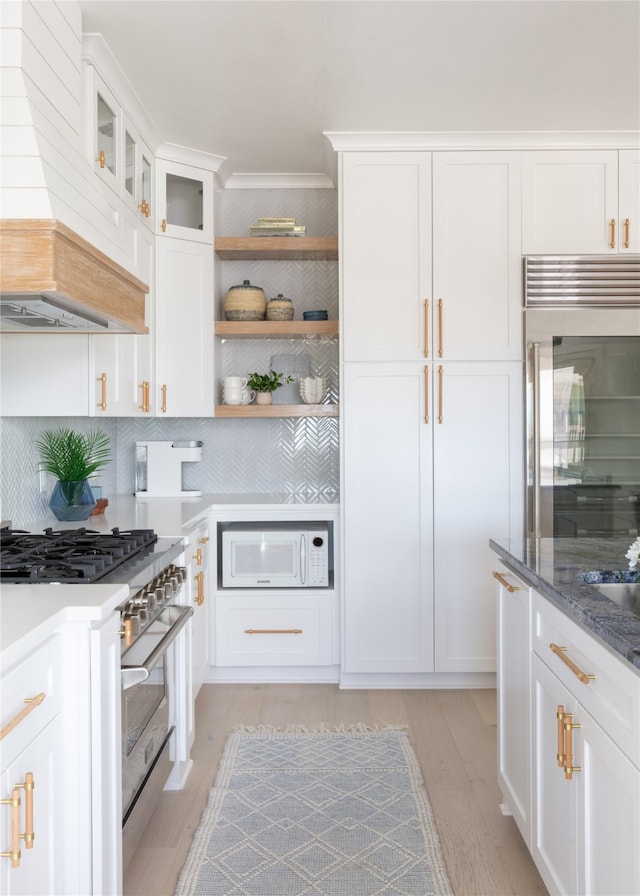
{"x": 277, "y": 248}
{"x": 276, "y": 410}
{"x": 276, "y": 329}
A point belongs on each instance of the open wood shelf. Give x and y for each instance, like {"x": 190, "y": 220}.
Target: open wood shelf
{"x": 276, "y": 329}
{"x": 276, "y": 410}
{"x": 276, "y": 248}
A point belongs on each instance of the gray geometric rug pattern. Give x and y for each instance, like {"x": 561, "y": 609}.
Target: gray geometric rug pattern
{"x": 325, "y": 813}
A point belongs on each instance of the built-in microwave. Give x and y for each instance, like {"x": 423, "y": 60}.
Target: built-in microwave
{"x": 275, "y": 555}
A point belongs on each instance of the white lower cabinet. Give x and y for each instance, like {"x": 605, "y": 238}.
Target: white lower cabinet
{"x": 514, "y": 703}
{"x": 197, "y": 556}
{"x": 431, "y": 467}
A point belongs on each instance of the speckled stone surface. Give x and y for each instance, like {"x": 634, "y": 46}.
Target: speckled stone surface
{"x": 554, "y": 567}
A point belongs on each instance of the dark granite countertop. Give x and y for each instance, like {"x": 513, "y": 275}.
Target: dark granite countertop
{"x": 553, "y": 567}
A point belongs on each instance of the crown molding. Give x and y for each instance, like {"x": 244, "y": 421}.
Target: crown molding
{"x": 362, "y": 141}
{"x": 267, "y": 181}
{"x": 173, "y": 152}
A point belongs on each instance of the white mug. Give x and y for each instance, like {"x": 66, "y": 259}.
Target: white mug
{"x": 234, "y": 382}
{"x": 238, "y": 396}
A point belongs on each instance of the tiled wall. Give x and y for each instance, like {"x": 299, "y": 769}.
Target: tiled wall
{"x": 295, "y": 456}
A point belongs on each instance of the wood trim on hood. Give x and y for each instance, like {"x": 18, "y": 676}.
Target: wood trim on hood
{"x": 44, "y": 256}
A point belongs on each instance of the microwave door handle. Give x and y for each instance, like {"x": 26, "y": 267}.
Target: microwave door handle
{"x": 133, "y": 675}
{"x": 303, "y": 559}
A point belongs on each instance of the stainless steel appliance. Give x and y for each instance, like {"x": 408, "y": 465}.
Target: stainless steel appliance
{"x": 151, "y": 621}
{"x": 275, "y": 555}
{"x": 582, "y": 331}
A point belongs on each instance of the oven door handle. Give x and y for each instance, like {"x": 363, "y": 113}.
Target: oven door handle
{"x": 133, "y": 675}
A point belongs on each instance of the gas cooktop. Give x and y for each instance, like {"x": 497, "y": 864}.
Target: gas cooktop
{"x": 79, "y": 555}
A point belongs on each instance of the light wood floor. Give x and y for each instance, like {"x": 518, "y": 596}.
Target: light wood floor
{"x": 452, "y": 732}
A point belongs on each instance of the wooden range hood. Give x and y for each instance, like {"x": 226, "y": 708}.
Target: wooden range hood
{"x": 45, "y": 265}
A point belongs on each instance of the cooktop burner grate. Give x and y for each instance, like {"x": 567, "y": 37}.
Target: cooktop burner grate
{"x": 68, "y": 555}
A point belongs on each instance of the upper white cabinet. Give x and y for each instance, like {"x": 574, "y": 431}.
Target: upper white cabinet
{"x": 184, "y": 201}
{"x": 431, "y": 256}
{"x": 581, "y": 202}
{"x": 45, "y": 376}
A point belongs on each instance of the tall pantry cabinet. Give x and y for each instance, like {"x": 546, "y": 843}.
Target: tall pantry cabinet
{"x": 431, "y": 395}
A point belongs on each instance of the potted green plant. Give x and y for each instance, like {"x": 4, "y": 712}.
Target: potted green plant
{"x": 72, "y": 457}
{"x": 265, "y": 385}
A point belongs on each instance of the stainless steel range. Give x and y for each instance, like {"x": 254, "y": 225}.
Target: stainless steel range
{"x": 151, "y": 621}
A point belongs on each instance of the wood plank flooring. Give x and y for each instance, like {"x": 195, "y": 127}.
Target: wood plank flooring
{"x": 453, "y": 733}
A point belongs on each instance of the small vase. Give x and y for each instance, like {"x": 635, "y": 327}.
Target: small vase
{"x": 72, "y": 500}
{"x": 264, "y": 397}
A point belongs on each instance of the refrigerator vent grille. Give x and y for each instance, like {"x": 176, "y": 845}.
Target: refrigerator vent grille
{"x": 567, "y": 280}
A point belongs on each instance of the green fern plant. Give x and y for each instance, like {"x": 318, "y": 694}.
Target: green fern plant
{"x": 72, "y": 456}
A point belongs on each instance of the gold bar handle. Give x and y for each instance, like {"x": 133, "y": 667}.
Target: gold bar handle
{"x": 506, "y": 585}
{"x": 440, "y": 330}
{"x": 627, "y": 228}
{"x": 561, "y": 754}
{"x": 426, "y": 393}
{"x": 569, "y": 727}
{"x": 15, "y": 721}
{"x": 14, "y": 852}
{"x": 102, "y": 379}
{"x": 29, "y": 834}
{"x": 163, "y": 406}
{"x": 273, "y": 631}
{"x": 101, "y": 158}
{"x": 199, "y": 557}
{"x": 579, "y": 674}
{"x": 426, "y": 328}
{"x": 199, "y": 598}
{"x": 144, "y": 385}
{"x": 440, "y": 387}
{"x": 204, "y": 539}
{"x": 612, "y": 225}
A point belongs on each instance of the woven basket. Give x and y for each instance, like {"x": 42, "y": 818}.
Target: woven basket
{"x": 280, "y": 308}
{"x": 245, "y": 302}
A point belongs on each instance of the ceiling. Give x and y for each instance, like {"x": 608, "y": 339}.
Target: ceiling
{"x": 259, "y": 81}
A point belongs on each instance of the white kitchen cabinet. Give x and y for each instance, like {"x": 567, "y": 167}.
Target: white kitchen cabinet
{"x": 431, "y": 467}
{"x": 431, "y": 256}
{"x": 197, "y": 551}
{"x": 514, "y": 701}
{"x": 580, "y": 202}
{"x": 184, "y": 201}
{"x": 45, "y": 376}
{"x": 183, "y": 329}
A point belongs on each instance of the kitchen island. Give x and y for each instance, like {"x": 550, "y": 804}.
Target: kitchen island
{"x": 569, "y": 713}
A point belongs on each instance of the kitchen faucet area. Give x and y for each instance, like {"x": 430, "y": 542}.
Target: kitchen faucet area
{"x": 320, "y": 447}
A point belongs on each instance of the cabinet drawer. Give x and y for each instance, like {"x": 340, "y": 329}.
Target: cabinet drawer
{"x": 612, "y": 696}
{"x": 282, "y": 634}
{"x": 40, "y": 672}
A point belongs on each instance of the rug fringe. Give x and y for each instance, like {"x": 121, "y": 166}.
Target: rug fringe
{"x": 291, "y": 728}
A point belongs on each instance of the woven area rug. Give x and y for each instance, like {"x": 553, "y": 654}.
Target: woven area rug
{"x": 295, "y": 813}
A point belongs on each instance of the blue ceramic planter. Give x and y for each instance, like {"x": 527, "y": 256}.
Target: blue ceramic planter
{"x": 72, "y": 500}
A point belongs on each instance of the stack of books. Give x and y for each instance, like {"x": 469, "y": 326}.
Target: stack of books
{"x": 277, "y": 227}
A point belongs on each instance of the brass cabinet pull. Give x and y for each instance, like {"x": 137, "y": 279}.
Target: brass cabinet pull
{"x": 144, "y": 208}
{"x": 273, "y": 631}
{"x": 14, "y": 852}
{"x": 199, "y": 598}
{"x": 29, "y": 834}
{"x": 507, "y": 585}
{"x": 426, "y": 393}
{"x": 199, "y": 557}
{"x": 102, "y": 379}
{"x": 440, "y": 330}
{"x": 163, "y": 406}
{"x": 612, "y": 225}
{"x": 163, "y": 225}
{"x": 144, "y": 385}
{"x": 204, "y": 539}
{"x": 560, "y": 755}
{"x": 15, "y": 721}
{"x": 426, "y": 328}
{"x": 440, "y": 382}
{"x": 627, "y": 227}
{"x": 569, "y": 726}
{"x": 579, "y": 674}
{"x": 101, "y": 158}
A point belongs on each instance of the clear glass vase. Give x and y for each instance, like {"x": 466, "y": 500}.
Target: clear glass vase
{"x": 72, "y": 500}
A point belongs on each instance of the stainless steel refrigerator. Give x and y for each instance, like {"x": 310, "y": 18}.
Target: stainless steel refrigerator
{"x": 582, "y": 331}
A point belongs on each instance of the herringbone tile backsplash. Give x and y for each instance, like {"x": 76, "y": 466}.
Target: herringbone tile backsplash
{"x": 298, "y": 457}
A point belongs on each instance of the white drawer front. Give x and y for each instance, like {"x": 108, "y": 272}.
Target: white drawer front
{"x": 272, "y": 633}
{"x": 41, "y": 672}
{"x": 612, "y": 696}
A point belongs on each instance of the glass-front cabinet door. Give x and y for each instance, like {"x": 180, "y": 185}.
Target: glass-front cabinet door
{"x": 106, "y": 136}
{"x": 184, "y": 201}
{"x": 138, "y": 170}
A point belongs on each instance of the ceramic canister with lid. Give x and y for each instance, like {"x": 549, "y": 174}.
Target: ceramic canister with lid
{"x": 245, "y": 302}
